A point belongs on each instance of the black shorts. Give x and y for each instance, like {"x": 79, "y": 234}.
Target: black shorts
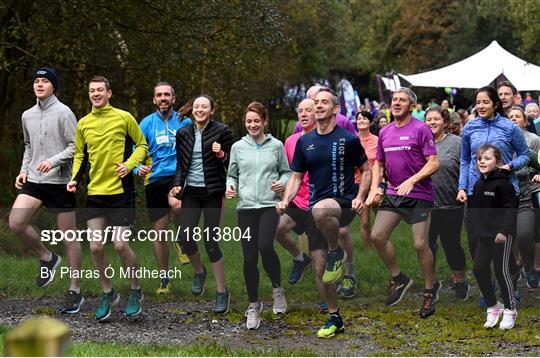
{"x": 301, "y": 218}
{"x": 304, "y": 224}
{"x": 157, "y": 198}
{"x": 411, "y": 210}
{"x": 347, "y": 214}
{"x": 53, "y": 196}
{"x": 119, "y": 209}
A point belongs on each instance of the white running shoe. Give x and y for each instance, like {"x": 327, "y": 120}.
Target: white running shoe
{"x": 493, "y": 315}
{"x": 509, "y": 319}
{"x": 253, "y": 315}
{"x": 280, "y": 303}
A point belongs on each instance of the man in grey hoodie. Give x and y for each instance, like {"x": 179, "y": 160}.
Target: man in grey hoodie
{"x": 49, "y": 146}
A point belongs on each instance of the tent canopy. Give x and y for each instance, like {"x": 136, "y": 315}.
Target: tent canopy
{"x": 480, "y": 70}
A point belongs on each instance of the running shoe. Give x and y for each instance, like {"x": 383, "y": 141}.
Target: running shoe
{"x": 509, "y": 319}
{"x": 346, "y": 287}
{"x": 428, "y": 306}
{"x": 133, "y": 307}
{"x": 280, "y": 303}
{"x": 253, "y": 315}
{"x": 222, "y": 302}
{"x": 333, "y": 326}
{"x": 182, "y": 258}
{"x": 461, "y": 290}
{"x": 108, "y": 300}
{"x": 532, "y": 278}
{"x": 334, "y": 265}
{"x": 72, "y": 303}
{"x": 398, "y": 290}
{"x": 47, "y": 269}
{"x": 297, "y": 271}
{"x": 164, "y": 287}
{"x": 197, "y": 287}
{"x": 493, "y": 315}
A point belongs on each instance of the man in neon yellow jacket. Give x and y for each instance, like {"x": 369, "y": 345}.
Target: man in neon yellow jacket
{"x": 104, "y": 141}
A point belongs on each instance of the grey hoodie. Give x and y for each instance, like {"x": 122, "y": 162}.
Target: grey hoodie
{"x": 49, "y": 134}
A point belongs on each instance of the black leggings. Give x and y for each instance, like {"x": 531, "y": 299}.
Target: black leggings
{"x": 193, "y": 204}
{"x": 473, "y": 243}
{"x": 525, "y": 236}
{"x": 262, "y": 224}
{"x": 446, "y": 225}
{"x": 488, "y": 251}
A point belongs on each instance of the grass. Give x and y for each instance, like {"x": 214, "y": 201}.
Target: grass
{"x": 112, "y": 349}
{"x": 454, "y": 330}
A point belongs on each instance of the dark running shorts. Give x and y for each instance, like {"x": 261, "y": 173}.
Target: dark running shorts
{"x": 347, "y": 214}
{"x": 119, "y": 209}
{"x": 304, "y": 225}
{"x": 411, "y": 210}
{"x": 157, "y": 194}
{"x": 54, "y": 196}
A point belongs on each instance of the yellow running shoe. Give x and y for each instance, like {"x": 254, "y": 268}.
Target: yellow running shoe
{"x": 164, "y": 288}
{"x": 180, "y": 256}
{"x": 333, "y": 326}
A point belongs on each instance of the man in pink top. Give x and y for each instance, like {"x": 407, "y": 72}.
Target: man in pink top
{"x": 296, "y": 219}
{"x": 341, "y": 120}
{"x": 406, "y": 152}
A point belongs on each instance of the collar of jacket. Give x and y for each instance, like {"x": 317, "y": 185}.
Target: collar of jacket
{"x": 102, "y": 111}
{"x": 46, "y": 103}
{"x": 249, "y": 139}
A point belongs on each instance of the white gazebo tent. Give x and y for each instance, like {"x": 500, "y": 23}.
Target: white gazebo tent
{"x": 480, "y": 70}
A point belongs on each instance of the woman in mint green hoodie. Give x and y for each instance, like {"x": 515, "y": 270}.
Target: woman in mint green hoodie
{"x": 258, "y": 173}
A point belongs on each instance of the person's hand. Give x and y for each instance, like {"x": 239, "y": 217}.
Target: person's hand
{"x": 20, "y": 180}
{"x": 216, "y": 147}
{"x": 230, "y": 192}
{"x": 281, "y": 206}
{"x": 406, "y": 187}
{"x": 371, "y": 197}
{"x": 175, "y": 191}
{"x": 374, "y": 197}
{"x": 71, "y": 186}
{"x": 44, "y": 166}
{"x": 143, "y": 170}
{"x": 358, "y": 206}
{"x": 505, "y": 167}
{"x": 277, "y": 187}
{"x": 461, "y": 196}
{"x": 121, "y": 170}
{"x": 500, "y": 239}
{"x": 536, "y": 178}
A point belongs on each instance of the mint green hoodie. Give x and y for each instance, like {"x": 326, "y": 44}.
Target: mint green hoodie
{"x": 252, "y": 168}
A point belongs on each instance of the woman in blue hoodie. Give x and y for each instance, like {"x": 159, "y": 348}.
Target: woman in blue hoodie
{"x": 489, "y": 127}
{"x": 258, "y": 173}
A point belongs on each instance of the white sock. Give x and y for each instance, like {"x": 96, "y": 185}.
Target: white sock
{"x": 300, "y": 257}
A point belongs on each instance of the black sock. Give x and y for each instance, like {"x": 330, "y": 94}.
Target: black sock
{"x": 399, "y": 278}
{"x": 334, "y": 314}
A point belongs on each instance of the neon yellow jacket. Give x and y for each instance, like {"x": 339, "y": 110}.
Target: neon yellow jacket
{"x": 104, "y": 137}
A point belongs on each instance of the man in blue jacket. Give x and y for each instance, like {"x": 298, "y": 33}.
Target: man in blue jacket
{"x": 159, "y": 129}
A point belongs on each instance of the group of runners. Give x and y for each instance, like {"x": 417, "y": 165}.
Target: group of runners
{"x": 327, "y": 173}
